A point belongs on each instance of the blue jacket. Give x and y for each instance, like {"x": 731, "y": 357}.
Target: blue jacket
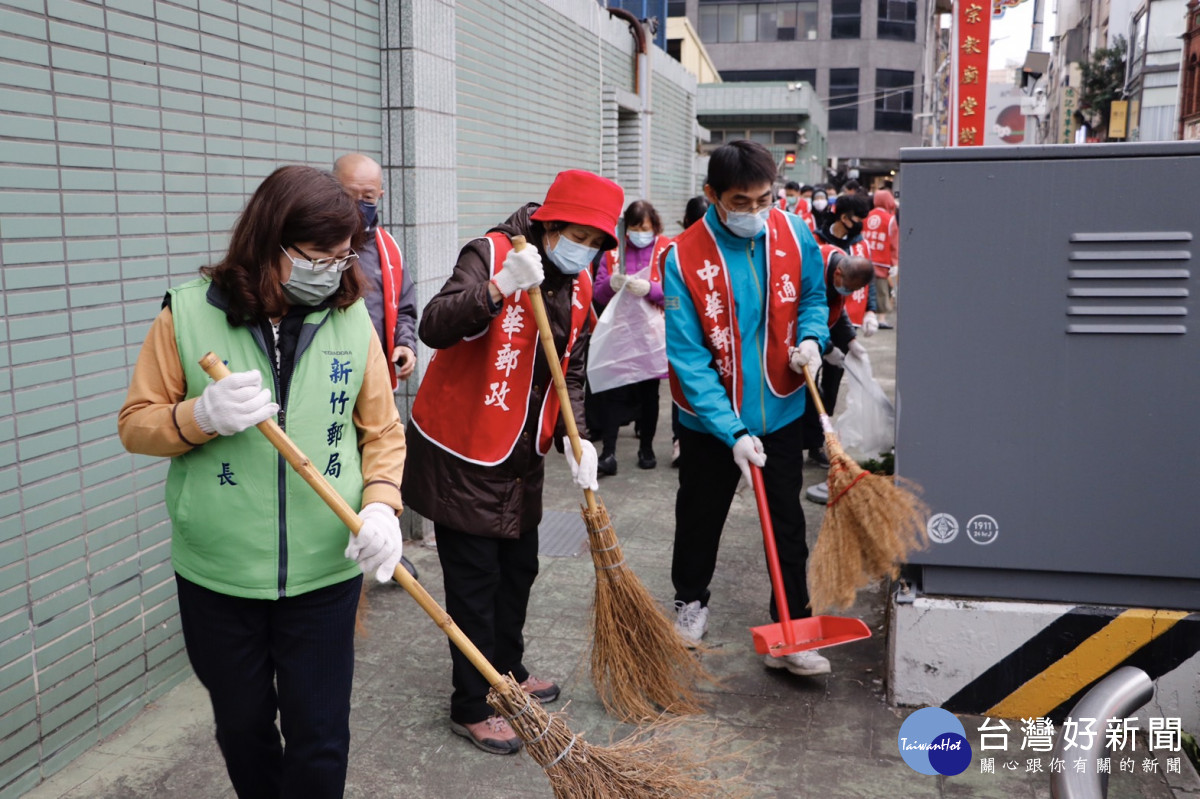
{"x": 761, "y": 411}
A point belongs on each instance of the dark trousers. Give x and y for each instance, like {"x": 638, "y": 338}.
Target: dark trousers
{"x": 829, "y": 382}
{"x": 639, "y": 400}
{"x": 708, "y": 478}
{"x": 294, "y": 656}
{"x": 487, "y": 583}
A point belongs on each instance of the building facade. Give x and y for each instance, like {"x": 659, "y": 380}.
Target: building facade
{"x": 864, "y": 58}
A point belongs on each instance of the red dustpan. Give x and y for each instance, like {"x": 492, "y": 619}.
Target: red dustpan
{"x": 794, "y": 635}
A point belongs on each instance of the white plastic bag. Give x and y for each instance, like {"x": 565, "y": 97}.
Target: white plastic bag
{"x": 629, "y": 344}
{"x": 867, "y": 428}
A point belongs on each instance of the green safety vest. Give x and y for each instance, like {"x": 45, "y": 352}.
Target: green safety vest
{"x": 243, "y": 522}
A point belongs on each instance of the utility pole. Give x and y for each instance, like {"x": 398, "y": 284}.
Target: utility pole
{"x": 1039, "y": 16}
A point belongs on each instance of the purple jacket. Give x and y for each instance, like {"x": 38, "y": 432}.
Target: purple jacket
{"x": 637, "y": 259}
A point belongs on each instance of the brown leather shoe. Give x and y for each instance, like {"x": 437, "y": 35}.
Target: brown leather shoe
{"x": 543, "y": 691}
{"x": 492, "y": 735}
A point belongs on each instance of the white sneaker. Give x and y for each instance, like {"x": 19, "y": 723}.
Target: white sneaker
{"x": 691, "y": 621}
{"x": 805, "y": 664}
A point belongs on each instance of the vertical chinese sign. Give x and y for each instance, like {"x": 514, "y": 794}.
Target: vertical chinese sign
{"x": 972, "y": 28}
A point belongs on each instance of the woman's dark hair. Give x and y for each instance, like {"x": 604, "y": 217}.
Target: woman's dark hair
{"x": 740, "y": 164}
{"x": 638, "y": 212}
{"x": 695, "y": 210}
{"x": 294, "y": 204}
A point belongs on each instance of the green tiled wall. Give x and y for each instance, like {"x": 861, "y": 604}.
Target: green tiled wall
{"x": 131, "y": 133}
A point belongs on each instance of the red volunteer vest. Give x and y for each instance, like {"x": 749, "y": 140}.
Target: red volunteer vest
{"x": 475, "y": 394}
{"x": 706, "y": 276}
{"x": 838, "y": 305}
{"x": 392, "y": 266}
{"x": 856, "y": 303}
{"x": 878, "y": 232}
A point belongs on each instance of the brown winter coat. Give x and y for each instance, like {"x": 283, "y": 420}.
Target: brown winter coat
{"x": 494, "y": 501}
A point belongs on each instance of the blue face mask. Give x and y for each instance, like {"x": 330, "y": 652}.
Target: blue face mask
{"x": 369, "y": 210}
{"x": 571, "y": 257}
{"x": 641, "y": 238}
{"x": 845, "y": 292}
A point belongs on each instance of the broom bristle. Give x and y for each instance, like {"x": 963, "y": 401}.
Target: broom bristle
{"x": 638, "y": 766}
{"x": 871, "y": 524}
{"x": 640, "y": 665}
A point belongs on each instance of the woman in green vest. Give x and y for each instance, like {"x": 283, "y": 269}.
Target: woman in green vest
{"x": 268, "y": 579}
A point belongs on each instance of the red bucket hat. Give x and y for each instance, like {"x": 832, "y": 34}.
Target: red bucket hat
{"x": 583, "y": 198}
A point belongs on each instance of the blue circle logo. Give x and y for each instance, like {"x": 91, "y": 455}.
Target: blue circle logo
{"x": 933, "y": 741}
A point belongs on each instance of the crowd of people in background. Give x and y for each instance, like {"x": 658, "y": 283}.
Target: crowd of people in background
{"x": 761, "y": 285}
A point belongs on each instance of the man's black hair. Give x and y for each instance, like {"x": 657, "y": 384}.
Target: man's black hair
{"x": 807, "y": 188}
{"x": 740, "y": 164}
{"x": 792, "y": 185}
{"x": 852, "y": 185}
{"x": 857, "y": 204}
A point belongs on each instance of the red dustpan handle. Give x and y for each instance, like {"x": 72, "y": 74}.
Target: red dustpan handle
{"x": 764, "y": 515}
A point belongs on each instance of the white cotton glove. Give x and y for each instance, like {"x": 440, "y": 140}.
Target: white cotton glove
{"x": 807, "y": 354}
{"x": 521, "y": 270}
{"x": 379, "y": 543}
{"x": 870, "y": 324}
{"x": 584, "y": 472}
{"x": 234, "y": 403}
{"x": 638, "y": 286}
{"x": 857, "y": 350}
{"x": 747, "y": 450}
{"x": 835, "y": 357}
{"x": 617, "y": 281}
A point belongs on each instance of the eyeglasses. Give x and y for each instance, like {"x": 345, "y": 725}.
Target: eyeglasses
{"x": 321, "y": 264}
{"x": 751, "y": 207}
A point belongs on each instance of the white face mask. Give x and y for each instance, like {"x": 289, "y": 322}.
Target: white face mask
{"x": 744, "y": 224}
{"x": 571, "y": 257}
{"x": 820, "y": 205}
{"x": 641, "y": 238}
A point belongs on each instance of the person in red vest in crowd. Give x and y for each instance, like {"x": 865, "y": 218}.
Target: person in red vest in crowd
{"x": 391, "y": 295}
{"x": 843, "y": 231}
{"x": 641, "y": 276}
{"x": 796, "y": 203}
{"x": 881, "y": 232}
{"x": 844, "y": 275}
{"x": 487, "y": 413}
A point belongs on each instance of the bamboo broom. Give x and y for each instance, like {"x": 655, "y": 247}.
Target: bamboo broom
{"x": 640, "y": 666}
{"x": 637, "y": 767}
{"x": 870, "y": 525}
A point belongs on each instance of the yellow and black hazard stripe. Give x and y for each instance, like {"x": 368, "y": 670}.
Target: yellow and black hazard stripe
{"x": 1049, "y": 673}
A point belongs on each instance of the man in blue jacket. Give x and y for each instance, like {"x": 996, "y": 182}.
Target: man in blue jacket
{"x": 745, "y": 310}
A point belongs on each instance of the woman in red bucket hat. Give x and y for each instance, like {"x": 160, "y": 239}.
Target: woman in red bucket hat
{"x": 486, "y": 415}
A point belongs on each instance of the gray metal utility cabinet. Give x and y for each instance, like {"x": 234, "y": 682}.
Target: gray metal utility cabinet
{"x": 1048, "y": 370}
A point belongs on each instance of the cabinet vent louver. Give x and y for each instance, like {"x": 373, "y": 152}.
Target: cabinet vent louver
{"x": 1129, "y": 282}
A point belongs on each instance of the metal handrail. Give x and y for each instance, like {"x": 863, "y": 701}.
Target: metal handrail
{"x": 1116, "y": 696}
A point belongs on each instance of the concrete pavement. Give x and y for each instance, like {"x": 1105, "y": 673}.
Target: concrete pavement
{"x": 832, "y": 737}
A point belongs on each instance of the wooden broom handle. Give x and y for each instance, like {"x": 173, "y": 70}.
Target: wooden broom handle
{"x": 812, "y": 391}
{"x": 826, "y": 424}
{"x": 217, "y": 370}
{"x": 560, "y": 382}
